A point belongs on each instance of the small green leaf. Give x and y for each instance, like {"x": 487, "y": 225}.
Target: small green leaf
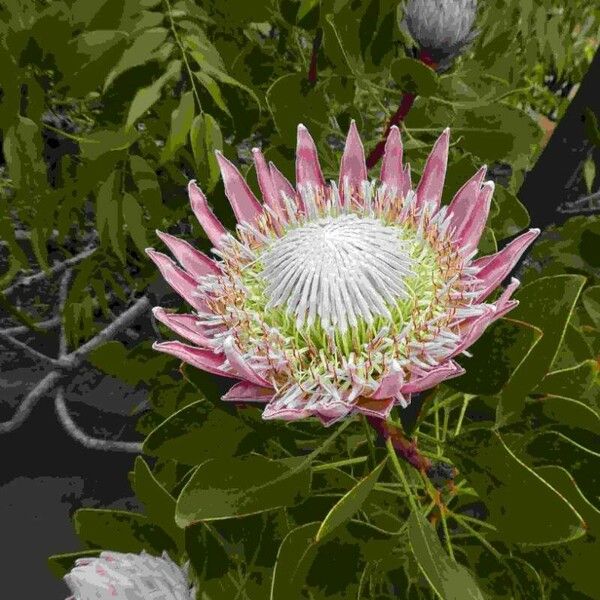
{"x": 109, "y": 216}
{"x": 589, "y": 173}
{"x": 513, "y": 492}
{"x": 447, "y": 578}
{"x": 139, "y": 53}
{"x": 206, "y": 138}
{"x": 197, "y": 433}
{"x": 146, "y": 97}
{"x": 100, "y": 142}
{"x": 294, "y": 559}
{"x": 159, "y": 504}
{"x": 181, "y": 121}
{"x": 236, "y": 487}
{"x": 349, "y": 504}
{"x": 133, "y": 217}
{"x": 149, "y": 189}
{"x": 212, "y": 87}
{"x": 414, "y": 77}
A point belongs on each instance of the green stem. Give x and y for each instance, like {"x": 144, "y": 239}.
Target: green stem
{"x": 461, "y": 416}
{"x": 373, "y": 461}
{"x": 401, "y": 475}
{"x": 184, "y": 55}
{"x": 340, "y": 463}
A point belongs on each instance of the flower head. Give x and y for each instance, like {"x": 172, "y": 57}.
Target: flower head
{"x": 117, "y": 576}
{"x": 442, "y": 28}
{"x": 335, "y": 298}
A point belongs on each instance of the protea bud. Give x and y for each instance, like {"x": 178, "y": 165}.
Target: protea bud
{"x": 117, "y": 576}
{"x": 336, "y": 298}
{"x": 441, "y": 28}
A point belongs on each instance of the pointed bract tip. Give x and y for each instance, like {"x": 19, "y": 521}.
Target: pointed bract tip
{"x": 535, "y": 230}
{"x": 302, "y": 127}
{"x": 157, "y": 310}
{"x": 150, "y": 251}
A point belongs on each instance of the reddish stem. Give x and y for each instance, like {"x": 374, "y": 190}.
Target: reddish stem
{"x": 312, "y": 69}
{"x": 405, "y": 448}
{"x": 399, "y": 116}
{"x": 406, "y": 104}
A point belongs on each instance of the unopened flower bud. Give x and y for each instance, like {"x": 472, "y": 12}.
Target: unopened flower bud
{"x": 442, "y": 28}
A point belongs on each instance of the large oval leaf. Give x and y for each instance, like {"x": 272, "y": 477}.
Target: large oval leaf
{"x": 235, "y": 487}
{"x": 546, "y": 303}
{"x": 513, "y": 492}
{"x": 196, "y": 433}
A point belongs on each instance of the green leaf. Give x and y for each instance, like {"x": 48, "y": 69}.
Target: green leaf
{"x": 591, "y": 302}
{"x": 148, "y": 187}
{"x": 159, "y": 504}
{"x": 496, "y": 356}
{"x": 181, "y": 121}
{"x": 414, "y": 77}
{"x": 61, "y": 564}
{"x": 569, "y": 383}
{"x": 294, "y": 559}
{"x": 109, "y": 216}
{"x": 448, "y": 579}
{"x": 133, "y": 217}
{"x": 306, "y": 6}
{"x": 94, "y": 53}
{"x": 291, "y": 101}
{"x": 94, "y": 145}
{"x": 146, "y": 97}
{"x": 206, "y": 138}
{"x": 139, "y": 53}
{"x": 511, "y": 218}
{"x": 572, "y": 563}
{"x": 197, "y": 433}
{"x": 21, "y": 148}
{"x": 498, "y": 132}
{"x": 223, "y": 488}
{"x": 546, "y": 303}
{"x": 349, "y": 504}
{"x": 120, "y": 531}
{"x": 513, "y": 492}
{"x": 212, "y": 87}
{"x": 223, "y": 77}
{"x": 589, "y": 173}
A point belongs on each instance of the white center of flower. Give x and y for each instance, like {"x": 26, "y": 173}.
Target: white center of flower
{"x": 337, "y": 269}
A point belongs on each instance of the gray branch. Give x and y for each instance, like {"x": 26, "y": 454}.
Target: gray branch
{"x": 55, "y": 269}
{"x": 70, "y": 363}
{"x": 83, "y": 438}
{"x": 43, "y": 387}
{"x": 10, "y": 340}
{"x": 44, "y": 325}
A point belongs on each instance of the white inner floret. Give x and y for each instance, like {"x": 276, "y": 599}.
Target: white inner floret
{"x": 337, "y": 270}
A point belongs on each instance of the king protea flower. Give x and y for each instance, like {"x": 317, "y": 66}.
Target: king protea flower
{"x": 117, "y": 576}
{"x": 337, "y": 298}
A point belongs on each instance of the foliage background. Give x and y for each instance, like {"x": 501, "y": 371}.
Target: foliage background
{"x": 109, "y": 108}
